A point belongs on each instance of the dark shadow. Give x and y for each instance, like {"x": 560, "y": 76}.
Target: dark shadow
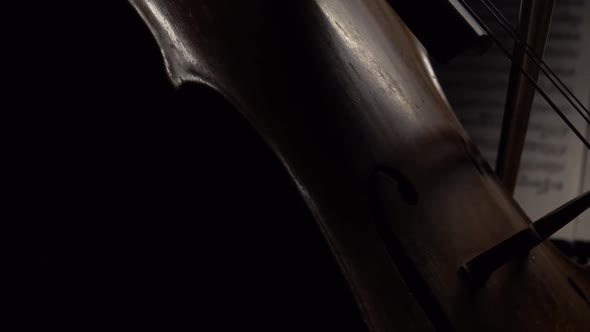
{"x": 144, "y": 208}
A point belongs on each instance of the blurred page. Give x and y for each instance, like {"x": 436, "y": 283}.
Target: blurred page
{"x": 554, "y": 160}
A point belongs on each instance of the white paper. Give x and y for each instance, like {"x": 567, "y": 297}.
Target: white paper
{"x": 582, "y": 227}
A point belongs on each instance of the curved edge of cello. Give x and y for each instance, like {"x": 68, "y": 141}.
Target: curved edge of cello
{"x": 340, "y": 92}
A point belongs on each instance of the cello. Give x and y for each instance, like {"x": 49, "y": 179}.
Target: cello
{"x": 348, "y": 103}
{"x": 350, "y": 115}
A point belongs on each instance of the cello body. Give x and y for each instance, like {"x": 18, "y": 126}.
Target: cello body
{"x": 303, "y": 171}
{"x": 344, "y": 97}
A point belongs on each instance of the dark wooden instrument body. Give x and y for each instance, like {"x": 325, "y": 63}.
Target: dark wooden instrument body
{"x": 308, "y": 174}
{"x": 347, "y": 102}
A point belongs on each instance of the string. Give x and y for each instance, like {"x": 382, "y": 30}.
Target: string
{"x": 479, "y": 268}
{"x": 528, "y": 76}
{"x": 531, "y": 52}
{"x": 538, "y": 60}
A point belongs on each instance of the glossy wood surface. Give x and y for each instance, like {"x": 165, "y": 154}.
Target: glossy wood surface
{"x": 347, "y": 102}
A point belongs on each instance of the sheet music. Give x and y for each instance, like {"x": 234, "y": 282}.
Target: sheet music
{"x": 582, "y": 228}
{"x": 554, "y": 159}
